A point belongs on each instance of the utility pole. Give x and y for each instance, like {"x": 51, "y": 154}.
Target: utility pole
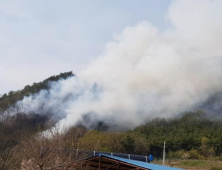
{"x": 164, "y": 153}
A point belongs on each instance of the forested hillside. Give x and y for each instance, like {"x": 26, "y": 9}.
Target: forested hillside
{"x": 193, "y": 131}
{"x": 16, "y": 128}
{"x": 12, "y": 97}
{"x": 191, "y": 136}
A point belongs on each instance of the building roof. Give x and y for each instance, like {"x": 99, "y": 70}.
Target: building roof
{"x": 103, "y": 161}
{"x": 139, "y": 163}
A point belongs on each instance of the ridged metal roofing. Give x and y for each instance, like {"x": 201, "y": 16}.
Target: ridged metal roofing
{"x": 139, "y": 163}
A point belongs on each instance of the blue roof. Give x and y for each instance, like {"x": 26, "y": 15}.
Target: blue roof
{"x": 139, "y": 163}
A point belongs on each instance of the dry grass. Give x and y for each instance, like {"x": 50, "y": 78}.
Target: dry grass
{"x": 193, "y": 164}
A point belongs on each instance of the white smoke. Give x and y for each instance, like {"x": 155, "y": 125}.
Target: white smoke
{"x": 144, "y": 74}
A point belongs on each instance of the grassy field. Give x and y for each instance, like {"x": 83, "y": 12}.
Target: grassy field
{"x": 193, "y": 164}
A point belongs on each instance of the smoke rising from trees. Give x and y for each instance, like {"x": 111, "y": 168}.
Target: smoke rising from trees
{"x": 144, "y": 73}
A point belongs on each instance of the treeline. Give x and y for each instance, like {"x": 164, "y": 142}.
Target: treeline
{"x": 31, "y": 142}
{"x": 7, "y": 100}
{"x": 192, "y": 132}
{"x": 191, "y": 136}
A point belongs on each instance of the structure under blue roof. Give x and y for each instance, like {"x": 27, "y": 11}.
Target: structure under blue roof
{"x": 107, "y": 162}
{"x": 139, "y": 164}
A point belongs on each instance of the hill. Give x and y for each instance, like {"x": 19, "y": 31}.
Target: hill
{"x": 193, "y": 135}
{"x": 7, "y": 100}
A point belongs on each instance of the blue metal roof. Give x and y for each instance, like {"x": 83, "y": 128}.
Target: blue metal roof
{"x": 139, "y": 163}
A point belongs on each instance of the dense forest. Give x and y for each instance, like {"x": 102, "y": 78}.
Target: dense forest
{"x": 191, "y": 136}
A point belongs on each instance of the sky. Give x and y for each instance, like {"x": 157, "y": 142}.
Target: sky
{"x": 42, "y": 38}
{"x": 138, "y": 59}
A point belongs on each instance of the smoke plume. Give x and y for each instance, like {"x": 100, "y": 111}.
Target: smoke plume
{"x": 144, "y": 73}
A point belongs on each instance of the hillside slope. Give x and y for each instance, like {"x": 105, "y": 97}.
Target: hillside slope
{"x": 12, "y": 97}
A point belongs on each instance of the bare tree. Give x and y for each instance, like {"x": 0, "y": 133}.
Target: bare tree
{"x": 45, "y": 151}
{"x": 7, "y": 140}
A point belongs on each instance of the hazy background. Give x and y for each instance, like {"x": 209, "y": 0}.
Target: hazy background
{"x": 146, "y": 71}
{"x": 43, "y": 38}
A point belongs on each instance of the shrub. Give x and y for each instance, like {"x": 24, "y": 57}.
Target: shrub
{"x": 178, "y": 154}
{"x": 194, "y": 154}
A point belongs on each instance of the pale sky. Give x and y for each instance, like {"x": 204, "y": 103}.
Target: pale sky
{"x": 43, "y": 38}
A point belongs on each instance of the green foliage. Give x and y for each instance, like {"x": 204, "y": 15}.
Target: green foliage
{"x": 192, "y": 131}
{"x": 205, "y": 149}
{"x": 194, "y": 154}
{"x": 12, "y": 97}
{"x": 141, "y": 146}
{"x": 192, "y": 136}
{"x": 181, "y": 154}
{"x": 194, "y": 163}
{"x": 93, "y": 140}
{"x": 101, "y": 141}
{"x": 128, "y": 144}
{"x": 114, "y": 142}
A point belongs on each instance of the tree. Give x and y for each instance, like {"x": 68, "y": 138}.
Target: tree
{"x": 40, "y": 152}
{"x": 128, "y": 144}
